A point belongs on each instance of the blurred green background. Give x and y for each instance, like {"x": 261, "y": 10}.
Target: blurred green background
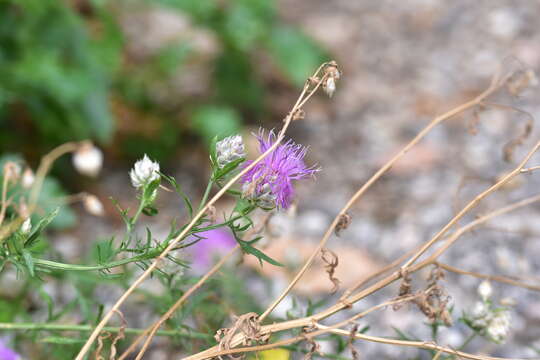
{"x": 151, "y": 76}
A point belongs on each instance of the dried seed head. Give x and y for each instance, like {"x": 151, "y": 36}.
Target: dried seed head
{"x": 88, "y": 159}
{"x": 93, "y": 205}
{"x": 229, "y": 150}
{"x": 332, "y": 74}
{"x": 27, "y": 178}
{"x": 144, "y": 172}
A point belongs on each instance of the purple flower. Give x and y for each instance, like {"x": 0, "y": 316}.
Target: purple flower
{"x": 270, "y": 181}
{"x": 214, "y": 242}
{"x": 6, "y": 353}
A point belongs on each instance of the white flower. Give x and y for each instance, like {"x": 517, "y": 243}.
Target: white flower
{"x": 88, "y": 159}
{"x": 485, "y": 290}
{"x": 499, "y": 326}
{"x": 229, "y": 150}
{"x": 27, "y": 178}
{"x": 26, "y": 226}
{"x": 93, "y": 205}
{"x": 144, "y": 171}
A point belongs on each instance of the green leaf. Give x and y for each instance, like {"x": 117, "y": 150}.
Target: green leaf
{"x": 38, "y": 229}
{"x": 150, "y": 211}
{"x": 221, "y": 173}
{"x": 178, "y": 189}
{"x": 247, "y": 248}
{"x": 29, "y": 261}
{"x": 210, "y": 121}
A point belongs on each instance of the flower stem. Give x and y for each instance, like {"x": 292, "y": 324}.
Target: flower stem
{"x": 87, "y": 328}
{"x": 206, "y": 194}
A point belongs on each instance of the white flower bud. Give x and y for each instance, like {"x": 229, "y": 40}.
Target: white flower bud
{"x": 28, "y": 178}
{"x": 485, "y": 290}
{"x": 144, "y": 171}
{"x": 92, "y": 204}
{"x": 26, "y": 226}
{"x": 88, "y": 159}
{"x": 230, "y": 149}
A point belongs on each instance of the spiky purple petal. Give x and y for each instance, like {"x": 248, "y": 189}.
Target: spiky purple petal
{"x": 272, "y": 177}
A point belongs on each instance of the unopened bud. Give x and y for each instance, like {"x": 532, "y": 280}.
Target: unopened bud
{"x": 27, "y": 178}
{"x": 26, "y": 226}
{"x": 88, "y": 159}
{"x": 93, "y": 205}
{"x": 485, "y": 290}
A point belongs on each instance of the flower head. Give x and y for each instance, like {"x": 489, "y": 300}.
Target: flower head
{"x": 270, "y": 181}
{"x": 144, "y": 172}
{"x": 229, "y": 150}
{"x": 88, "y": 159}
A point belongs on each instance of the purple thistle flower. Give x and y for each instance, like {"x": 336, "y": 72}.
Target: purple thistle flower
{"x": 270, "y": 181}
{"x": 7, "y": 353}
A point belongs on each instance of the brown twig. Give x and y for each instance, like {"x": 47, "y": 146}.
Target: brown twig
{"x": 495, "y": 85}
{"x": 501, "y": 279}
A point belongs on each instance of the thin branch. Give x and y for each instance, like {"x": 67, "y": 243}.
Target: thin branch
{"x": 501, "y": 279}
{"x": 495, "y": 85}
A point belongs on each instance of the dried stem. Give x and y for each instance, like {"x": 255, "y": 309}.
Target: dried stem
{"x": 501, "y": 279}
{"x": 307, "y": 321}
{"x": 495, "y": 85}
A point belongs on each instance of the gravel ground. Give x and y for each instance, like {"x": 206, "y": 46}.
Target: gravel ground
{"x": 404, "y": 63}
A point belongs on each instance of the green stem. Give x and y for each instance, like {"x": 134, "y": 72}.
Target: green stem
{"x": 206, "y": 194}
{"x": 149, "y": 255}
{"x": 88, "y": 328}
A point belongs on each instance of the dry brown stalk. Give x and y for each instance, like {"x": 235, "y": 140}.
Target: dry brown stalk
{"x": 498, "y": 278}
{"x": 305, "y": 95}
{"x": 496, "y": 83}
{"x": 209, "y": 353}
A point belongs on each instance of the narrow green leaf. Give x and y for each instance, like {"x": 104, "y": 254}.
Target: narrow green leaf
{"x": 40, "y": 227}
{"x": 29, "y": 260}
{"x": 247, "y": 248}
